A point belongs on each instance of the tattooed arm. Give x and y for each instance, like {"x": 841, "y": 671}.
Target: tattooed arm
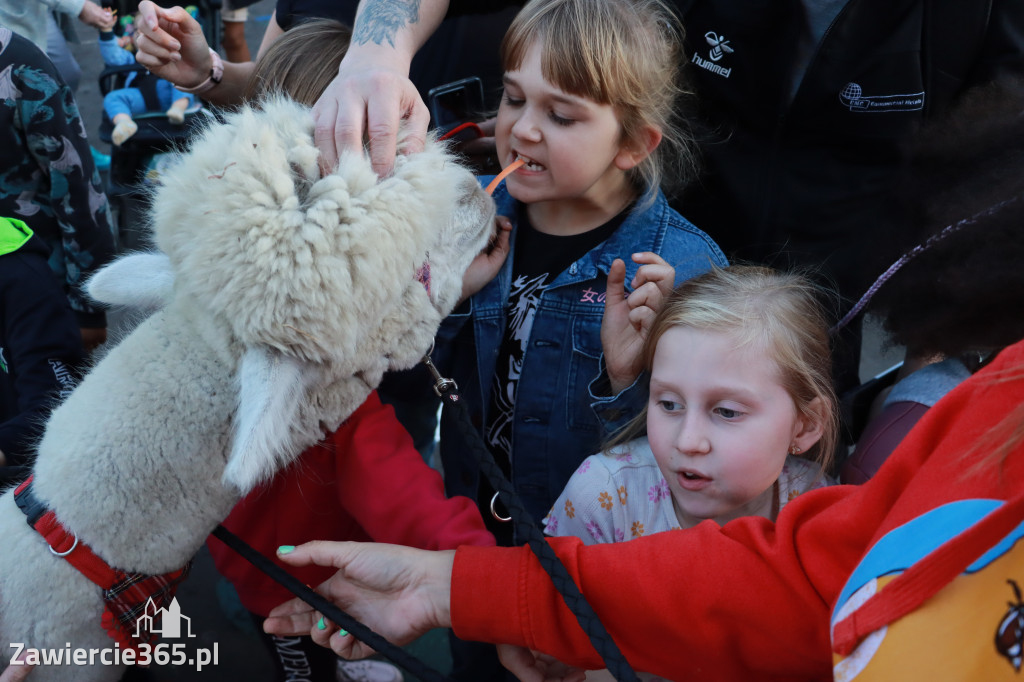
{"x": 372, "y": 91}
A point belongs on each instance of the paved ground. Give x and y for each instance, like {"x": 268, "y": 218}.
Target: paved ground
{"x": 209, "y": 602}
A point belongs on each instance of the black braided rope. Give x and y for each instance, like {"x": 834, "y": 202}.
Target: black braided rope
{"x": 525, "y": 528}
{"x": 330, "y": 611}
{"x": 549, "y": 561}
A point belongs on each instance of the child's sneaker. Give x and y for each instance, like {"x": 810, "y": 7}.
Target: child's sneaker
{"x": 176, "y": 115}
{"x": 368, "y": 671}
{"x": 124, "y": 129}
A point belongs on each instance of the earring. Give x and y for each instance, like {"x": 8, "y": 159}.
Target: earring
{"x": 794, "y": 449}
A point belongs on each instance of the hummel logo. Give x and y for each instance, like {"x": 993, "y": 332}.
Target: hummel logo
{"x": 719, "y": 48}
{"x": 719, "y": 45}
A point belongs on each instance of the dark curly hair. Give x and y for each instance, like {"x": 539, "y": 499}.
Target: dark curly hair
{"x": 965, "y": 292}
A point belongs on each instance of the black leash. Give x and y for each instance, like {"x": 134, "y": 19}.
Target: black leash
{"x": 364, "y": 634}
{"x": 527, "y": 528}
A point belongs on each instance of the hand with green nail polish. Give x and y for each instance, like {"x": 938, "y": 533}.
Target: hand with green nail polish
{"x": 399, "y": 592}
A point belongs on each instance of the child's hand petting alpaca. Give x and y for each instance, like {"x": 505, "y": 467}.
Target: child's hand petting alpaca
{"x": 627, "y": 319}
{"x": 485, "y": 266}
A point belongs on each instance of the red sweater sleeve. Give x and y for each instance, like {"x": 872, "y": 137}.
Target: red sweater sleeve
{"x": 751, "y": 599}
{"x": 384, "y": 484}
{"x": 721, "y": 603}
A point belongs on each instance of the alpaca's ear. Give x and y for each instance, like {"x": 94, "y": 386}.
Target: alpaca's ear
{"x": 271, "y": 388}
{"x": 143, "y": 280}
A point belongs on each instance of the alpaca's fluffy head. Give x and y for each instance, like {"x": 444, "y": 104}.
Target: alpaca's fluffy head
{"x": 306, "y": 264}
{"x": 323, "y": 282}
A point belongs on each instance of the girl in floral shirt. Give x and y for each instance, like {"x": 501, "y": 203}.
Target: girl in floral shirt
{"x": 740, "y": 418}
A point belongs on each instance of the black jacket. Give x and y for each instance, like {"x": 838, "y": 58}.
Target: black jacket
{"x": 815, "y": 174}
{"x": 810, "y": 179}
{"x": 40, "y": 344}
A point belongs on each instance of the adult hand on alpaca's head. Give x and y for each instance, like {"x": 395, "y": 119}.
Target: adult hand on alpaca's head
{"x": 371, "y": 98}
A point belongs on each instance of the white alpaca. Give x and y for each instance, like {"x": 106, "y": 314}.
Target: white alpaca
{"x": 282, "y": 298}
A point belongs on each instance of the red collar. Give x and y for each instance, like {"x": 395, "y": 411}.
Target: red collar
{"x": 124, "y": 594}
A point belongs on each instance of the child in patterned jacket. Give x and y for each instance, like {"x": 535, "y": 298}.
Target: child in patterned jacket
{"x": 741, "y": 416}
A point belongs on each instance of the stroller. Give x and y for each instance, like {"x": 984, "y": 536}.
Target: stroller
{"x": 136, "y": 164}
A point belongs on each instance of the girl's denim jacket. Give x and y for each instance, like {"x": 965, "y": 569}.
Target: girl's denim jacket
{"x": 563, "y": 410}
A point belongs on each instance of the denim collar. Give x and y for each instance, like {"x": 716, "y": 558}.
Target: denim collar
{"x": 643, "y": 230}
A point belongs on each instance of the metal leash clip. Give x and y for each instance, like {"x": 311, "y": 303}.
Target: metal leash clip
{"x": 442, "y": 386}
{"x": 494, "y": 510}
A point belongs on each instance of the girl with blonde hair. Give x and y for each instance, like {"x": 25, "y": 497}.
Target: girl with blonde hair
{"x": 740, "y": 419}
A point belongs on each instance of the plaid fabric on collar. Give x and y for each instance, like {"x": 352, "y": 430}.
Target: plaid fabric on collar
{"x": 134, "y": 596}
{"x": 128, "y": 597}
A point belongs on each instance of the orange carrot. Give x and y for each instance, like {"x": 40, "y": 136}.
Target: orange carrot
{"x": 508, "y": 170}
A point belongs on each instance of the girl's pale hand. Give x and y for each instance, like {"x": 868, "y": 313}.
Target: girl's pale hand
{"x": 627, "y": 319}
{"x": 488, "y": 262}
{"x": 654, "y": 269}
{"x": 171, "y": 45}
{"x": 399, "y": 592}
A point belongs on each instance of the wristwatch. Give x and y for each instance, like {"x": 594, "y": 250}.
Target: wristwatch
{"x": 216, "y": 74}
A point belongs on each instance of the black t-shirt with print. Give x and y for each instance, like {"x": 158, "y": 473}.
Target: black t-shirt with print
{"x": 538, "y": 260}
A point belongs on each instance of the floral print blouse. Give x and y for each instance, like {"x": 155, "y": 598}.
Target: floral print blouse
{"x": 622, "y": 495}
